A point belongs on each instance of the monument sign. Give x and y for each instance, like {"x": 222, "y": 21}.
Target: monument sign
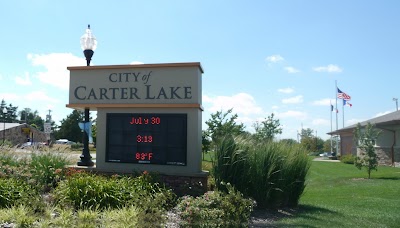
{"x": 148, "y": 115}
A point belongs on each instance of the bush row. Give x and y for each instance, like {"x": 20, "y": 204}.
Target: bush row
{"x": 348, "y": 159}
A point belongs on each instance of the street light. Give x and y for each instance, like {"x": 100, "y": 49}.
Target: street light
{"x": 88, "y": 45}
{"x": 397, "y": 106}
{"x": 4, "y": 124}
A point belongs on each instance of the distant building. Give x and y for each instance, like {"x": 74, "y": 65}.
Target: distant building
{"x": 387, "y": 145}
{"x": 18, "y": 134}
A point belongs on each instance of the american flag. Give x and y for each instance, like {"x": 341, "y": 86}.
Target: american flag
{"x": 342, "y": 95}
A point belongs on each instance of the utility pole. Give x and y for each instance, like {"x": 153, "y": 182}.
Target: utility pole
{"x": 48, "y": 117}
{"x": 47, "y": 127}
{"x": 26, "y": 114}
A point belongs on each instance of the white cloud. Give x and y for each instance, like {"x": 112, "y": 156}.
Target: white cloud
{"x": 55, "y": 65}
{"x": 274, "y": 58}
{"x": 275, "y": 107}
{"x": 286, "y": 90}
{"x": 382, "y": 113}
{"x": 246, "y": 121}
{"x": 291, "y": 70}
{"x": 292, "y": 114}
{"x": 10, "y": 97}
{"x": 136, "y": 63}
{"x": 353, "y": 121}
{"x": 324, "y": 102}
{"x": 319, "y": 122}
{"x": 23, "y": 81}
{"x": 1, "y": 77}
{"x": 40, "y": 95}
{"x": 242, "y": 103}
{"x": 330, "y": 69}
{"x": 293, "y": 100}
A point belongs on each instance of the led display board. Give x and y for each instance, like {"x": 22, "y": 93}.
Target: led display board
{"x": 147, "y": 138}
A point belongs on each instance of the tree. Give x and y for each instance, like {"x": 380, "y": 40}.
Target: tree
{"x": 327, "y": 146}
{"x": 11, "y": 115}
{"x": 365, "y": 141}
{"x": 69, "y": 128}
{"x": 306, "y": 133}
{"x": 205, "y": 142}
{"x": 267, "y": 129}
{"x": 222, "y": 124}
{"x": 32, "y": 118}
{"x": 310, "y": 142}
{"x": 289, "y": 141}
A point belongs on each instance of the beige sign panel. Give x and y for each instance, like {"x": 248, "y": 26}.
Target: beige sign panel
{"x": 178, "y": 83}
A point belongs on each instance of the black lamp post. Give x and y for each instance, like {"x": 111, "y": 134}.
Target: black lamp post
{"x": 88, "y": 45}
{"x": 4, "y": 124}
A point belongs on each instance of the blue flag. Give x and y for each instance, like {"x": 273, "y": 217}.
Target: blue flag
{"x": 88, "y": 129}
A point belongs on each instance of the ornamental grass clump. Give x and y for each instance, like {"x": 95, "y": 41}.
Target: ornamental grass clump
{"x": 272, "y": 173}
{"x": 46, "y": 168}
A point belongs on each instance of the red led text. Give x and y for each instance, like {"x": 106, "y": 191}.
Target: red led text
{"x": 144, "y": 138}
{"x": 145, "y": 121}
{"x": 144, "y": 156}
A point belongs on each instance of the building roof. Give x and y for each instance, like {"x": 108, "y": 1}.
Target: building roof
{"x": 392, "y": 118}
{"x": 8, "y": 125}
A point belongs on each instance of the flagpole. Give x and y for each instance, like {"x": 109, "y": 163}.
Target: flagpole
{"x": 336, "y": 106}
{"x": 337, "y": 143}
{"x": 331, "y": 107}
{"x": 343, "y": 112}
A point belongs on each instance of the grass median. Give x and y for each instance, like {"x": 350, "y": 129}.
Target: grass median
{"x": 340, "y": 195}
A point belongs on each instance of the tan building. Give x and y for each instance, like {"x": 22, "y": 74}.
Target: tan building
{"x": 18, "y": 134}
{"x": 387, "y": 145}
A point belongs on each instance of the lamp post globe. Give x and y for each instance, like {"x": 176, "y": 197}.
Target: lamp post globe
{"x": 88, "y": 45}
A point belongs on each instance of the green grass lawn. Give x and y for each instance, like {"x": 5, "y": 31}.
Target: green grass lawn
{"x": 340, "y": 195}
{"x": 207, "y": 161}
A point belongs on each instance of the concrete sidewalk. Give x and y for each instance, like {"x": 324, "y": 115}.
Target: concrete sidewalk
{"x": 325, "y": 159}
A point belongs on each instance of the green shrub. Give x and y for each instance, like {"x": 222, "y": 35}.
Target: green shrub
{"x": 6, "y": 143}
{"x": 314, "y": 153}
{"x": 216, "y": 209}
{"x": 123, "y": 217}
{"x": 8, "y": 157}
{"x": 20, "y": 216}
{"x": 58, "y": 217}
{"x": 46, "y": 168}
{"x": 348, "y": 159}
{"x": 15, "y": 191}
{"x": 272, "y": 173}
{"x": 87, "y": 218}
{"x": 76, "y": 146}
{"x": 85, "y": 191}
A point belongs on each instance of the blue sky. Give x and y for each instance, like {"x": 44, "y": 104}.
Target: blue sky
{"x": 259, "y": 57}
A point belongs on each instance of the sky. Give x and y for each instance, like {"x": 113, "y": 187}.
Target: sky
{"x": 259, "y": 56}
